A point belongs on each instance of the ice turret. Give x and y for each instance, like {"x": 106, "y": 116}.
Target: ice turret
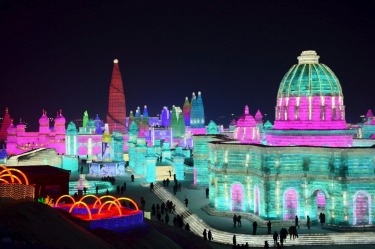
{"x": 247, "y": 130}
{"x": 186, "y": 111}
{"x": 98, "y": 124}
{"x": 177, "y": 122}
{"x": 131, "y": 118}
{"x": 212, "y": 128}
{"x": 44, "y": 123}
{"x": 137, "y": 117}
{"x": 5, "y": 125}
{"x": 145, "y": 119}
{"x": 85, "y": 119}
{"x": 197, "y": 119}
{"x": 165, "y": 117}
{"x": 369, "y": 114}
{"x": 59, "y": 123}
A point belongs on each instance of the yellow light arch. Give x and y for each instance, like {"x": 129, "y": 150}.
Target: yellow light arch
{"x": 128, "y": 199}
{"x": 3, "y": 180}
{"x": 12, "y": 176}
{"x": 23, "y": 174}
{"x": 112, "y": 202}
{"x": 97, "y": 198}
{"x": 5, "y": 169}
{"x": 106, "y": 196}
{"x": 84, "y": 204}
{"x": 63, "y": 196}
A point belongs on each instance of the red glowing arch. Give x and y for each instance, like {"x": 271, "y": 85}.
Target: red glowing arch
{"x": 107, "y": 196}
{"x": 84, "y": 204}
{"x": 12, "y": 176}
{"x": 97, "y": 198}
{"x": 128, "y": 199}
{"x": 112, "y": 202}
{"x": 57, "y": 202}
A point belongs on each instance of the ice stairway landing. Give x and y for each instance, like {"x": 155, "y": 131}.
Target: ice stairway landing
{"x": 197, "y": 226}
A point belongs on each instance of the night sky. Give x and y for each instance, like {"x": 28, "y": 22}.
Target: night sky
{"x": 59, "y": 54}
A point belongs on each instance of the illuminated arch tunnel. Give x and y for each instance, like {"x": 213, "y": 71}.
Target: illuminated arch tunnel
{"x": 102, "y": 212}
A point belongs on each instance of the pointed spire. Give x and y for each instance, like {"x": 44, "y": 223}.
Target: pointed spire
{"x": 116, "y": 101}
{"x": 7, "y": 121}
{"x": 369, "y": 114}
{"x": 246, "y": 109}
{"x": 258, "y": 116}
{"x": 186, "y": 111}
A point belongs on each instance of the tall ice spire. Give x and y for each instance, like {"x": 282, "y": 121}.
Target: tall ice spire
{"x": 116, "y": 115}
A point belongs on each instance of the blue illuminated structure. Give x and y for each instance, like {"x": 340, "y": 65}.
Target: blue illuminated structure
{"x": 197, "y": 119}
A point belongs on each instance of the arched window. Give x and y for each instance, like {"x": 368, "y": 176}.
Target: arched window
{"x": 290, "y": 204}
{"x": 237, "y": 197}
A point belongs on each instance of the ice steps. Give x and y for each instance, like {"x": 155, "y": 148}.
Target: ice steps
{"x": 197, "y": 226}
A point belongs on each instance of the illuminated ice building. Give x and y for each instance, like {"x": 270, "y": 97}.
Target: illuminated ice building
{"x": 307, "y": 163}
{"x": 20, "y": 141}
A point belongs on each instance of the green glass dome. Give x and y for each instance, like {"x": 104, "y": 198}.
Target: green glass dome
{"x": 309, "y": 78}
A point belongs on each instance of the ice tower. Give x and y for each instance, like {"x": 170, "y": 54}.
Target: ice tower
{"x": 116, "y": 115}
{"x": 197, "y": 112}
{"x": 177, "y": 122}
{"x": 186, "y": 111}
{"x": 5, "y": 125}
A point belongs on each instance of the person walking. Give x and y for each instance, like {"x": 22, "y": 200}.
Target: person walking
{"x": 275, "y": 238}
{"x": 166, "y": 218}
{"x": 234, "y": 240}
{"x": 266, "y": 245}
{"x": 296, "y": 222}
{"x": 186, "y": 201}
{"x": 239, "y": 221}
{"x": 255, "y": 226}
{"x": 210, "y": 237}
{"x": 269, "y": 227}
{"x": 308, "y": 222}
{"x": 234, "y": 220}
{"x": 205, "y": 234}
{"x": 207, "y": 192}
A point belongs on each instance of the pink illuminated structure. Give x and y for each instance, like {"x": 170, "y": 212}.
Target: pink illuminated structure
{"x": 247, "y": 130}
{"x": 310, "y": 107}
{"x": 20, "y": 141}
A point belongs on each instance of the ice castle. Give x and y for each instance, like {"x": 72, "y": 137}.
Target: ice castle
{"x": 306, "y": 164}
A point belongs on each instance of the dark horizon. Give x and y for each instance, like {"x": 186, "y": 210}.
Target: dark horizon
{"x": 59, "y": 55}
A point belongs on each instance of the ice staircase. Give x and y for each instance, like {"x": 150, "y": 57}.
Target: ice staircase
{"x": 197, "y": 226}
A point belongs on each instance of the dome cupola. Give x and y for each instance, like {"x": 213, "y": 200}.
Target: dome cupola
{"x": 310, "y": 97}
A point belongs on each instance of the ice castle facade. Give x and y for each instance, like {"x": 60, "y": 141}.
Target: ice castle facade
{"x": 306, "y": 164}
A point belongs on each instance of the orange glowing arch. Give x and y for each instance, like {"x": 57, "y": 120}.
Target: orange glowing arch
{"x": 97, "y": 198}
{"x": 112, "y": 202}
{"x": 63, "y": 196}
{"x": 84, "y": 204}
{"x": 5, "y": 169}
{"x": 23, "y": 174}
{"x": 106, "y": 196}
{"x": 3, "y": 180}
{"x": 12, "y": 176}
{"x": 128, "y": 199}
